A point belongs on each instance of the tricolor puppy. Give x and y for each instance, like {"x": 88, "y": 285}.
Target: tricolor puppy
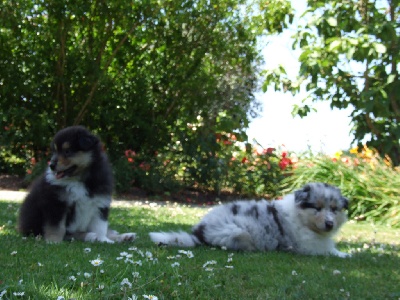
{"x": 72, "y": 199}
{"x": 303, "y": 222}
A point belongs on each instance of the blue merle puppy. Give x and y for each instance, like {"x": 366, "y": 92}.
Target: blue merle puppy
{"x": 303, "y": 222}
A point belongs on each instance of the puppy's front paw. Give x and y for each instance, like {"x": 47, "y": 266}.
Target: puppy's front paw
{"x": 105, "y": 240}
{"x": 125, "y": 237}
{"x": 53, "y": 238}
{"x": 93, "y": 237}
{"x": 341, "y": 254}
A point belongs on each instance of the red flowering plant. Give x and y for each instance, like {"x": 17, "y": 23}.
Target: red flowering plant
{"x": 212, "y": 158}
{"x": 150, "y": 172}
{"x": 258, "y": 171}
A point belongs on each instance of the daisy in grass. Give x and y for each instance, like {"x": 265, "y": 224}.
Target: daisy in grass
{"x": 189, "y": 254}
{"x": 336, "y": 272}
{"x": 100, "y": 287}
{"x": 138, "y": 263}
{"x": 149, "y": 255}
{"x": 19, "y": 294}
{"x": 96, "y": 262}
{"x": 151, "y": 297}
{"x": 125, "y": 282}
{"x": 210, "y": 262}
{"x": 175, "y": 264}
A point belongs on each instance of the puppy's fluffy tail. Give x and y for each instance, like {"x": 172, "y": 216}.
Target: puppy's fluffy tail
{"x": 180, "y": 238}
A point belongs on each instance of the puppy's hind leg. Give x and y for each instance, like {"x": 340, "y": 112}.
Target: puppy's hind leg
{"x": 120, "y": 237}
{"x": 241, "y": 241}
{"x": 230, "y": 236}
{"x": 55, "y": 233}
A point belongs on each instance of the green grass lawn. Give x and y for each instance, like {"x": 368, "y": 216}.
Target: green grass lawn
{"x": 77, "y": 270}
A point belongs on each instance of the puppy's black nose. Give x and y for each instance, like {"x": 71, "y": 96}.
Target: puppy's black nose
{"x": 53, "y": 164}
{"x": 328, "y": 225}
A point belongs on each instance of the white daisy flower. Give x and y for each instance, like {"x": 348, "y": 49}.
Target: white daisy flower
{"x": 96, "y": 262}
{"x": 210, "y": 262}
{"x": 126, "y": 282}
{"x": 19, "y": 294}
{"x": 336, "y": 272}
{"x": 175, "y": 264}
{"x": 150, "y": 297}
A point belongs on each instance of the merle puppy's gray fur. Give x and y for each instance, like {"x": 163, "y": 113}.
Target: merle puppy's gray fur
{"x": 303, "y": 222}
{"x": 72, "y": 199}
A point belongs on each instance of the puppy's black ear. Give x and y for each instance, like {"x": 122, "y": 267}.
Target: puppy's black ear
{"x": 303, "y": 194}
{"x": 345, "y": 202}
{"x": 87, "y": 142}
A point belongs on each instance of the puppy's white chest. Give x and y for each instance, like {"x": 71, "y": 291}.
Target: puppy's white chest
{"x": 76, "y": 192}
{"x": 86, "y": 209}
{"x": 85, "y": 212}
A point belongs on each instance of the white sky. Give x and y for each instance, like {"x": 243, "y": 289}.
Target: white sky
{"x": 326, "y": 130}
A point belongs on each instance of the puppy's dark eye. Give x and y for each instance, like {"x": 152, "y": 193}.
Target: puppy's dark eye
{"x": 318, "y": 208}
{"x": 67, "y": 152}
{"x": 334, "y": 209}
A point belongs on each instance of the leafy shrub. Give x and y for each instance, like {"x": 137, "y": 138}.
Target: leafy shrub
{"x": 154, "y": 174}
{"x": 35, "y": 169}
{"x": 11, "y": 163}
{"x": 123, "y": 175}
{"x": 219, "y": 164}
{"x": 371, "y": 183}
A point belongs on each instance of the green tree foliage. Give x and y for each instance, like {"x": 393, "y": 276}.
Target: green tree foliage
{"x": 138, "y": 73}
{"x": 350, "y": 57}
